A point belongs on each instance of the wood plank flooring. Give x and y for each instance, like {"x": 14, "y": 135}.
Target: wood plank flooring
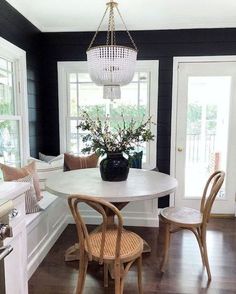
{"x": 184, "y": 273}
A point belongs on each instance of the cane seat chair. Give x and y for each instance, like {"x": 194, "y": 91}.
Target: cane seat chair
{"x": 175, "y": 219}
{"x": 110, "y": 244}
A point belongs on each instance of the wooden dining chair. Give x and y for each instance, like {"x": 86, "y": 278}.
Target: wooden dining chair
{"x": 175, "y": 219}
{"x": 110, "y": 244}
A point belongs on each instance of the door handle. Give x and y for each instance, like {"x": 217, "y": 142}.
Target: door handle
{"x": 180, "y": 149}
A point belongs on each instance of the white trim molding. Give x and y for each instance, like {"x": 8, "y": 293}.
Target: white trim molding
{"x": 18, "y": 57}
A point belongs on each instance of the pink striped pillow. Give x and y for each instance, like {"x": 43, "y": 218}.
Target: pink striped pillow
{"x": 13, "y": 173}
{"x": 31, "y": 203}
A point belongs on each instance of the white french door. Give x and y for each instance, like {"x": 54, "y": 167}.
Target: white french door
{"x": 204, "y": 132}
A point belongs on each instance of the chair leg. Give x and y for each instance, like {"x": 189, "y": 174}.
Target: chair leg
{"x": 198, "y": 237}
{"x": 139, "y": 268}
{"x": 105, "y": 275}
{"x": 83, "y": 264}
{"x": 124, "y": 269}
{"x": 117, "y": 278}
{"x": 206, "y": 257}
{"x": 166, "y": 246}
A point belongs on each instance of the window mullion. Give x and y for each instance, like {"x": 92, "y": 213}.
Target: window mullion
{"x": 16, "y": 89}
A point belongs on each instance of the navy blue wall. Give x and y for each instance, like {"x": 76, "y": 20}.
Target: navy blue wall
{"x": 19, "y": 31}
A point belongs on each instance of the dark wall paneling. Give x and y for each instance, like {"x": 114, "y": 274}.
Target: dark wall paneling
{"x": 19, "y": 31}
{"x": 162, "y": 45}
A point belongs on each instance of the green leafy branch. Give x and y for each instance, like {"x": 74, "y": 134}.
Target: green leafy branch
{"x": 100, "y": 138}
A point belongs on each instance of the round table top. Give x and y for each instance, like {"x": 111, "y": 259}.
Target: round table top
{"x": 140, "y": 185}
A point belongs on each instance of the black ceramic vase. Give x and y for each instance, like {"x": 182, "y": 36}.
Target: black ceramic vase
{"x": 114, "y": 168}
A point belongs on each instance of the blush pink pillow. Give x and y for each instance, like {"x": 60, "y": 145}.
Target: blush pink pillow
{"x": 12, "y": 174}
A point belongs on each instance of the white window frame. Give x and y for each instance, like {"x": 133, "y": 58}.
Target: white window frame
{"x": 18, "y": 57}
{"x": 64, "y": 68}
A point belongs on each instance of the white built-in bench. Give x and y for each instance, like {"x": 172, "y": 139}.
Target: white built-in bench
{"x": 44, "y": 228}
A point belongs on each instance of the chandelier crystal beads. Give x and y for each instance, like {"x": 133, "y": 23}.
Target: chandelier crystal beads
{"x": 111, "y": 65}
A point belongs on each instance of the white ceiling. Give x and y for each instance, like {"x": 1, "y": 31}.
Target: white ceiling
{"x": 84, "y": 15}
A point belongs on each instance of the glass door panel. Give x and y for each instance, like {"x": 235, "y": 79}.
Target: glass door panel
{"x": 206, "y": 131}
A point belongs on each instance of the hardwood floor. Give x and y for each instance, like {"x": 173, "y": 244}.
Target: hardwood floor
{"x": 184, "y": 272}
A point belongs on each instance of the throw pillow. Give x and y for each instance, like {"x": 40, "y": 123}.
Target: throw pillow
{"x": 31, "y": 203}
{"x": 46, "y": 158}
{"x": 12, "y": 173}
{"x": 72, "y": 162}
{"x": 46, "y": 169}
{"x": 135, "y": 160}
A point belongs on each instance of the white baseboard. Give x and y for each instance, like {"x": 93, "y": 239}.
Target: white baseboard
{"x": 43, "y": 251}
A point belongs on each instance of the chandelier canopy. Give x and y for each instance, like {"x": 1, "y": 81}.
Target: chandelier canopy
{"x": 111, "y": 65}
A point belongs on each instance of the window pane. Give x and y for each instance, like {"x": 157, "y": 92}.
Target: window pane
{"x": 6, "y": 88}
{"x": 73, "y": 100}
{"x": 73, "y": 136}
{"x": 9, "y": 142}
{"x": 85, "y": 95}
{"x": 76, "y": 137}
{"x": 143, "y": 99}
{"x": 84, "y": 77}
{"x": 91, "y": 97}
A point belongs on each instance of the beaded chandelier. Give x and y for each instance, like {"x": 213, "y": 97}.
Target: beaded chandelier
{"x": 111, "y": 65}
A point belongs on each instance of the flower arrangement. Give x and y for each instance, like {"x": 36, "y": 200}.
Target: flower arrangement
{"x": 124, "y": 137}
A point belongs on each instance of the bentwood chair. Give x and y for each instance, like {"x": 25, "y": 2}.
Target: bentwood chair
{"x": 109, "y": 244}
{"x": 175, "y": 219}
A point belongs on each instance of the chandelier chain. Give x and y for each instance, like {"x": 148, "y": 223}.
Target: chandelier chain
{"x": 95, "y": 35}
{"x": 111, "y": 34}
{"x": 132, "y": 40}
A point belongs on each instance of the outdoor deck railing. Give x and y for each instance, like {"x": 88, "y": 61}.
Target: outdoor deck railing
{"x": 198, "y": 152}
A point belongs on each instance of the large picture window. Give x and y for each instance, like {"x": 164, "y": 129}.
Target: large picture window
{"x": 77, "y": 92}
{"x": 14, "y": 147}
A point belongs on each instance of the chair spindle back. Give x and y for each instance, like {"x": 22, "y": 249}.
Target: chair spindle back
{"x": 210, "y": 192}
{"x": 105, "y": 209}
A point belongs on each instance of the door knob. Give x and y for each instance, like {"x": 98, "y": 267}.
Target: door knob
{"x": 180, "y": 149}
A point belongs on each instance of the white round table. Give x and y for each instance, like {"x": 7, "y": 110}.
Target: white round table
{"x": 140, "y": 185}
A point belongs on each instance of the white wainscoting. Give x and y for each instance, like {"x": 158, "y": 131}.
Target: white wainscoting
{"x": 43, "y": 230}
